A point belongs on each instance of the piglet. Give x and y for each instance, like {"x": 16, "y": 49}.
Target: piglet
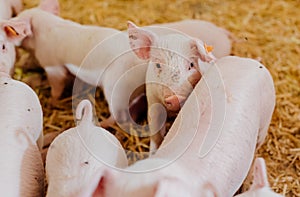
{"x": 172, "y": 72}
{"x": 76, "y": 155}
{"x": 10, "y": 7}
{"x": 212, "y": 142}
{"x": 57, "y": 42}
{"x": 22, "y": 171}
{"x": 260, "y": 186}
{"x": 7, "y": 45}
{"x": 209, "y": 33}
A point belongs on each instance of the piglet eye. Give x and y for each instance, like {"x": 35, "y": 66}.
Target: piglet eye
{"x": 3, "y": 47}
{"x": 158, "y": 65}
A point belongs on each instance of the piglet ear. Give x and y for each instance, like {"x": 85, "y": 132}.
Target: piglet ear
{"x": 51, "y": 6}
{"x": 98, "y": 185}
{"x": 16, "y": 30}
{"x": 140, "y": 41}
{"x": 260, "y": 178}
{"x": 203, "y": 51}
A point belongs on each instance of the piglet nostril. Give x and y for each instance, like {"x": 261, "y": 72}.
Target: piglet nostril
{"x": 168, "y": 104}
{"x": 173, "y": 103}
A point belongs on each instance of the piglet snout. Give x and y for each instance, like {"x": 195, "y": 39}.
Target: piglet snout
{"x": 174, "y": 102}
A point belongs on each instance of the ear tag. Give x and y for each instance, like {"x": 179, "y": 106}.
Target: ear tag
{"x": 10, "y": 31}
{"x": 208, "y": 48}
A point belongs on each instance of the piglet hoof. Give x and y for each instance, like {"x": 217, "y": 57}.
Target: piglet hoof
{"x": 54, "y": 102}
{"x": 107, "y": 123}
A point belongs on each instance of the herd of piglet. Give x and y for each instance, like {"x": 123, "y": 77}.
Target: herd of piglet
{"x": 221, "y": 114}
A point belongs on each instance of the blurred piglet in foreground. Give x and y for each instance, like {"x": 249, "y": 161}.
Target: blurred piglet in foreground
{"x": 78, "y": 154}
{"x": 173, "y": 71}
{"x": 260, "y": 186}
{"x": 10, "y": 7}
{"x": 22, "y": 171}
{"x": 210, "y": 147}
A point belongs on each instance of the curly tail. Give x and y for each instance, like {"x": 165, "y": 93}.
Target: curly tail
{"x": 84, "y": 111}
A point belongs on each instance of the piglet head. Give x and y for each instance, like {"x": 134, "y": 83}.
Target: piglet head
{"x": 173, "y": 63}
{"x": 16, "y": 30}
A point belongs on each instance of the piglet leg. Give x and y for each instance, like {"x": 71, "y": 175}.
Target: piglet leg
{"x": 109, "y": 122}
{"x": 57, "y": 76}
{"x": 157, "y": 117}
{"x": 137, "y": 110}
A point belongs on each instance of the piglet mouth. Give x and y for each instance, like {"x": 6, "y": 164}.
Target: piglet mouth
{"x": 174, "y": 102}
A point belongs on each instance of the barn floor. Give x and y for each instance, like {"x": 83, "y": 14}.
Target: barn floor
{"x": 268, "y": 30}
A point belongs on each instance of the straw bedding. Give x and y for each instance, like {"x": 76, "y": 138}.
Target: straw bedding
{"x": 263, "y": 29}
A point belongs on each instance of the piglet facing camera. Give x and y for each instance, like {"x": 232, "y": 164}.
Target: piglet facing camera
{"x": 172, "y": 73}
{"x": 77, "y": 155}
{"x": 22, "y": 171}
{"x": 211, "y": 153}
